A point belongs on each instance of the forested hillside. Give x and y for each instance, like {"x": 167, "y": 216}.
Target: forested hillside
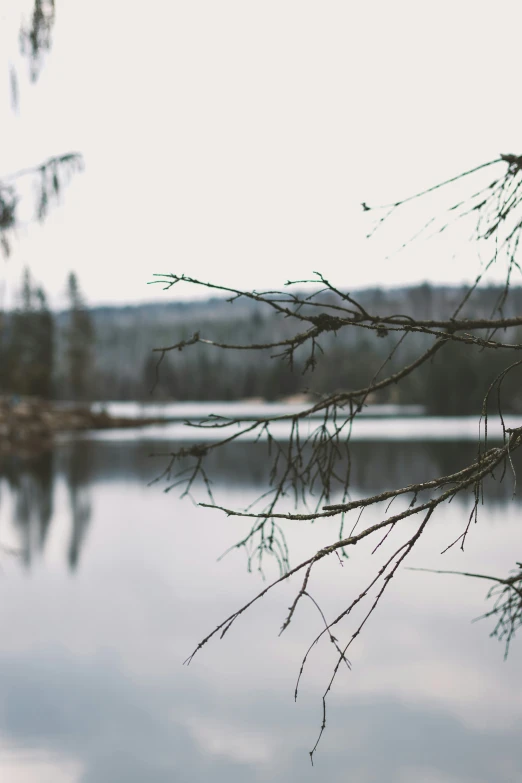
{"x": 118, "y": 363}
{"x": 125, "y": 367}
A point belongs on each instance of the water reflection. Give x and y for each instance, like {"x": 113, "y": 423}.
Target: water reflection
{"x": 375, "y": 465}
{"x": 91, "y": 684}
{"x": 30, "y": 481}
{"x": 122, "y": 731}
{"x": 78, "y": 461}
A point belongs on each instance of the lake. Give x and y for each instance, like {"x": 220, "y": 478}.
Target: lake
{"x": 114, "y": 582}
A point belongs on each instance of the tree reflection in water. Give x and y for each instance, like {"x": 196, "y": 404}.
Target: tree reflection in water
{"x": 80, "y": 463}
{"x": 77, "y": 475}
{"x": 30, "y": 480}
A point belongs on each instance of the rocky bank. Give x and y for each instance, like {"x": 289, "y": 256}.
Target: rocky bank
{"x": 31, "y": 423}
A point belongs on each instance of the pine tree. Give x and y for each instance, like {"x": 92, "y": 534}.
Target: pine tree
{"x": 30, "y": 348}
{"x": 44, "y": 331}
{"x": 80, "y": 338}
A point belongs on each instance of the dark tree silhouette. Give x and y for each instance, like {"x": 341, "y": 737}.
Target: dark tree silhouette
{"x": 30, "y": 345}
{"x": 80, "y": 338}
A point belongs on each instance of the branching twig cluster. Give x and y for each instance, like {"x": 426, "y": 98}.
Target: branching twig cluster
{"x": 312, "y": 461}
{"x": 507, "y": 607}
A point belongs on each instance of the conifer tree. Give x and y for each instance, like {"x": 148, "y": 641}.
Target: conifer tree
{"x": 30, "y": 349}
{"x": 80, "y": 338}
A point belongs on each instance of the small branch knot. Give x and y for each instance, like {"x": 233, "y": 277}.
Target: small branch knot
{"x": 514, "y": 162}
{"x": 327, "y": 323}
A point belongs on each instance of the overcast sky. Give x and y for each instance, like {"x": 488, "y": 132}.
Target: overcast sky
{"x": 235, "y": 140}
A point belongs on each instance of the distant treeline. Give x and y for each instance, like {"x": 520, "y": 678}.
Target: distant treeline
{"x": 453, "y": 383}
{"x": 105, "y": 353}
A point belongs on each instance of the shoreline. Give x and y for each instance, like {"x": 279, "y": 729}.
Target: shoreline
{"x": 31, "y": 424}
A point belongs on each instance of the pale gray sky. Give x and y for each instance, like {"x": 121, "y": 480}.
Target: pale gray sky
{"x": 234, "y": 140}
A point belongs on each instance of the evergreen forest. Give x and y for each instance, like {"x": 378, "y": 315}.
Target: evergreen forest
{"x": 106, "y": 353}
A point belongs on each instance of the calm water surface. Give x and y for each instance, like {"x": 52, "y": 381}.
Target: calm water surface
{"x": 116, "y": 582}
